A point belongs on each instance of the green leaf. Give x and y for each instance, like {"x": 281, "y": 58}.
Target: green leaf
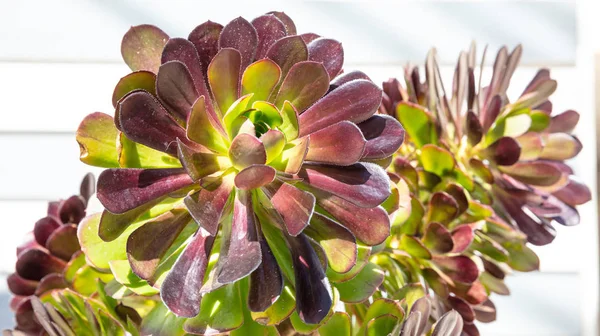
{"x": 382, "y": 325}
{"x": 410, "y": 293}
{"x": 379, "y": 308}
{"x": 97, "y": 138}
{"x": 418, "y": 123}
{"x": 522, "y": 258}
{"x": 364, "y": 252}
{"x": 338, "y": 325}
{"x": 84, "y": 281}
{"x": 161, "y": 322}
{"x": 289, "y": 125}
{"x": 539, "y": 121}
{"x": 362, "y": 286}
{"x": 414, "y": 247}
{"x": 220, "y": 310}
{"x": 135, "y": 155}
{"x": 437, "y": 160}
{"x": 123, "y": 274}
{"x": 250, "y": 327}
{"x": 280, "y": 310}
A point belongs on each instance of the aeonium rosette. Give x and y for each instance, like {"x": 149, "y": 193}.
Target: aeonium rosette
{"x": 511, "y": 153}
{"x": 233, "y": 162}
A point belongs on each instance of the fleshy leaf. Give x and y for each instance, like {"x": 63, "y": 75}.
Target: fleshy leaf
{"x": 43, "y": 229}
{"x": 254, "y": 176}
{"x": 205, "y": 128}
{"x": 34, "y": 264}
{"x": 459, "y": 268}
{"x": 205, "y": 38}
{"x": 247, "y": 150}
{"x": 181, "y": 289}
{"x": 442, "y": 208}
{"x": 536, "y": 172}
{"x": 220, "y": 311}
{"x": 269, "y": 29}
{"x": 304, "y": 84}
{"x": 450, "y": 324}
{"x": 363, "y": 184}
{"x": 414, "y": 247}
{"x": 354, "y": 101}
{"x": 313, "y": 292}
{"x": 197, "y": 164}
{"x": 274, "y": 142}
{"x": 384, "y": 136}
{"x": 207, "y": 205}
{"x": 121, "y": 190}
{"x": 339, "y": 324}
{"x": 240, "y": 35}
{"x": 266, "y": 282}
{"x": 329, "y": 52}
{"x": 97, "y": 138}
{"x": 224, "y": 77}
{"x": 63, "y": 242}
{"x": 437, "y": 160}
{"x": 418, "y": 123}
{"x": 564, "y": 122}
{"x": 381, "y": 325}
{"x": 339, "y": 144}
{"x": 438, "y": 238}
{"x": 142, "y": 47}
{"x": 560, "y": 147}
{"x": 175, "y": 88}
{"x": 505, "y": 151}
{"x": 289, "y": 126}
{"x": 260, "y": 78}
{"x": 295, "y": 206}
{"x": 338, "y": 243}
{"x": 292, "y": 158}
{"x": 288, "y": 51}
{"x": 139, "y": 80}
{"x": 362, "y": 286}
{"x": 149, "y": 243}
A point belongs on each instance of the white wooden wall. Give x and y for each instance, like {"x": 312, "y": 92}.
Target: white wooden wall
{"x": 59, "y": 60}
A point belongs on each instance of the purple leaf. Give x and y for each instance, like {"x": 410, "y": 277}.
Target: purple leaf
{"x": 369, "y": 225}
{"x": 574, "y": 193}
{"x": 240, "y": 250}
{"x": 384, "y": 136}
{"x": 354, "y": 101}
{"x": 339, "y": 144}
{"x": 364, "y": 184}
{"x": 313, "y": 292}
{"x": 21, "y": 286}
{"x": 197, "y": 164}
{"x": 63, "y": 242}
{"x": 266, "y": 282}
{"x": 34, "y": 264}
{"x": 72, "y": 210}
{"x": 290, "y": 27}
{"x": 254, "y": 176}
{"x": 288, "y": 51}
{"x": 247, "y": 150}
{"x": 43, "y": 229}
{"x": 564, "y": 122}
{"x": 473, "y": 128}
{"x": 181, "y": 289}
{"x": 459, "y": 268}
{"x": 205, "y": 38}
{"x": 329, "y": 52}
{"x": 139, "y": 80}
{"x": 505, "y": 151}
{"x": 175, "y": 88}
{"x": 149, "y": 243}
{"x": 240, "y": 35}
{"x": 293, "y": 205}
{"x": 50, "y": 282}
{"x": 269, "y": 29}
{"x": 348, "y": 77}
{"x": 142, "y": 46}
{"x": 207, "y": 205}
{"x": 113, "y": 225}
{"x": 304, "y": 84}
{"x": 309, "y": 37}
{"x": 182, "y": 50}
{"x": 437, "y": 238}
{"x": 144, "y": 120}
{"x": 121, "y": 190}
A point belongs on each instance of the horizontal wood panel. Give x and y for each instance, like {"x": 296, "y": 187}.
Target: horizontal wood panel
{"x": 50, "y": 97}
{"x": 372, "y": 31}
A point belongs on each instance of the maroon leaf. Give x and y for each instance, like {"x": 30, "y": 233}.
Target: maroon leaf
{"x": 437, "y": 238}
{"x": 113, "y": 225}
{"x": 474, "y": 130}
{"x": 181, "y": 289}
{"x": 254, "y": 176}
{"x": 50, "y": 282}
{"x": 564, "y": 122}
{"x": 369, "y": 225}
{"x": 141, "y": 47}
{"x": 269, "y": 29}
{"x": 144, "y": 120}
{"x": 574, "y": 193}
{"x": 309, "y": 37}
{"x": 491, "y": 112}
{"x": 63, "y": 242}
{"x": 207, "y": 205}
{"x": 293, "y": 205}
{"x": 139, "y": 80}
{"x": 505, "y": 151}
{"x": 25, "y": 317}
{"x": 21, "y": 286}
{"x": 313, "y": 292}
{"x": 120, "y": 190}
{"x": 304, "y": 84}
{"x": 348, "y": 77}
{"x": 354, "y": 101}
{"x": 459, "y": 268}
{"x": 176, "y": 89}
{"x": 329, "y": 52}
{"x": 462, "y": 236}
{"x": 88, "y": 187}
{"x": 485, "y": 312}
{"x": 72, "y": 210}
{"x": 182, "y": 50}
{"x": 247, "y": 150}
{"x": 442, "y": 208}
{"x": 34, "y": 264}
{"x": 384, "y": 136}
{"x": 288, "y": 51}
{"x": 205, "y": 38}
{"x": 458, "y": 193}
{"x": 364, "y": 184}
{"x": 539, "y": 231}
{"x": 339, "y": 144}
{"x": 290, "y": 27}
{"x": 224, "y": 77}
{"x": 266, "y": 282}
{"x": 197, "y": 164}
{"x": 43, "y": 229}
{"x": 149, "y": 243}
{"x": 240, "y": 34}
{"x": 462, "y": 307}
{"x": 240, "y": 250}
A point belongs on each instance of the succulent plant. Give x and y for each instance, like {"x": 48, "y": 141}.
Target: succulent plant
{"x": 239, "y": 171}
{"x": 485, "y": 177}
{"x": 51, "y": 268}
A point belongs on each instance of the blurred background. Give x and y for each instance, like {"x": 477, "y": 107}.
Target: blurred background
{"x": 60, "y": 59}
